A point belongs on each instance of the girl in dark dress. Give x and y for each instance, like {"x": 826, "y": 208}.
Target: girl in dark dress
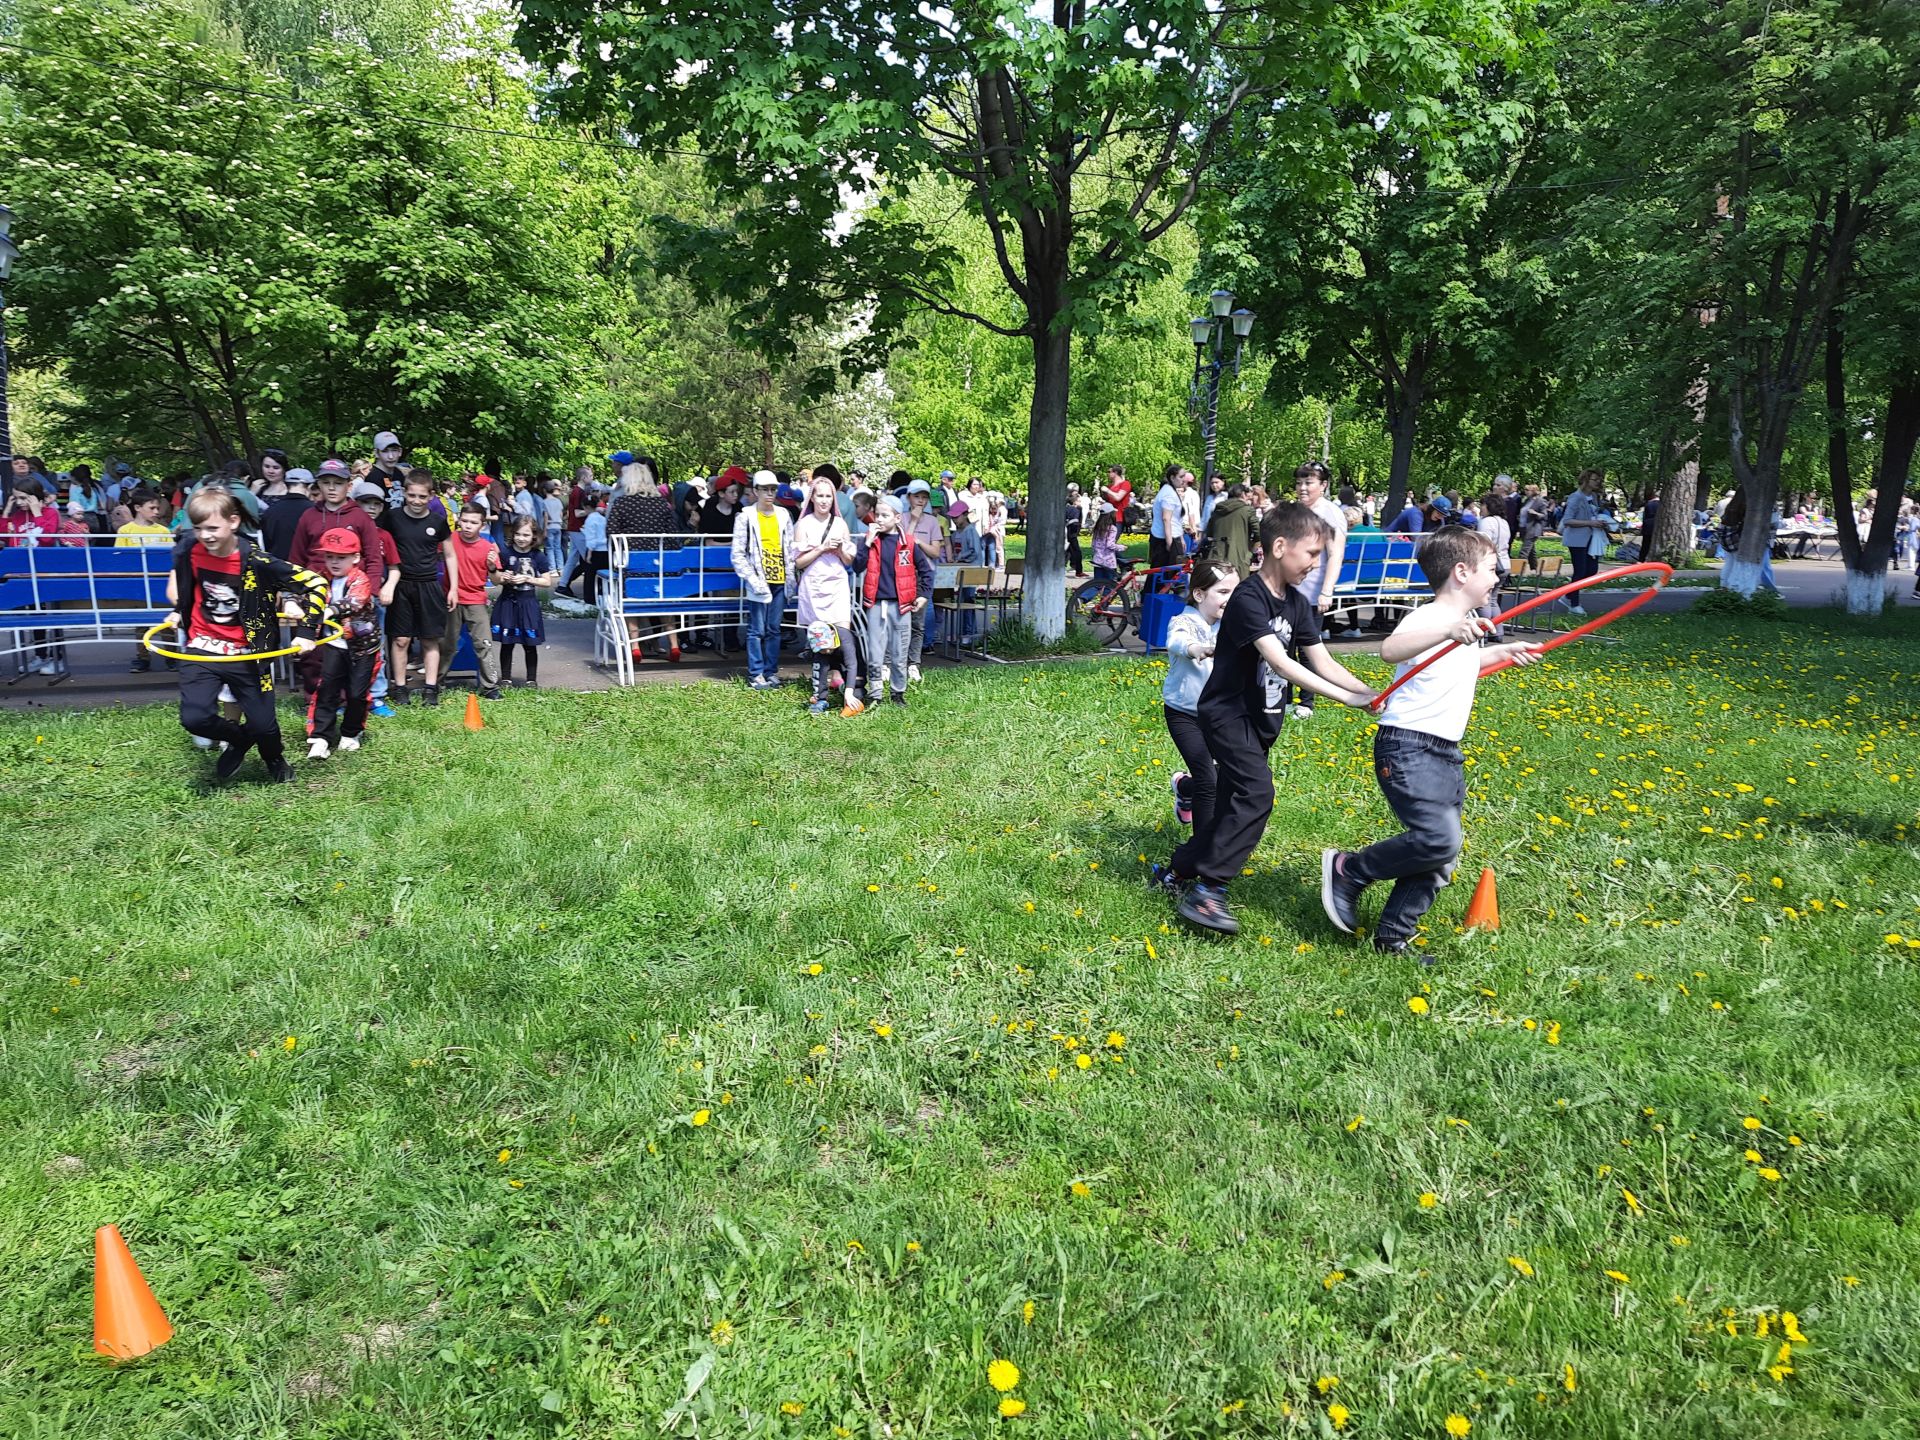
{"x": 516, "y": 614}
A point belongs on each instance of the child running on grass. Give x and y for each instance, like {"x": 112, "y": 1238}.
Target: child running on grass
{"x": 225, "y": 589}
{"x": 1416, "y": 753}
{"x": 349, "y": 661}
{"x": 1190, "y": 645}
{"x": 1266, "y": 624}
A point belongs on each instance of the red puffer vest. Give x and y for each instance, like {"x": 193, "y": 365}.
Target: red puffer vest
{"x": 906, "y": 580}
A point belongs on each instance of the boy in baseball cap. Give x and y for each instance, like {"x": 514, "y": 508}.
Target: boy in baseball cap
{"x": 348, "y": 661}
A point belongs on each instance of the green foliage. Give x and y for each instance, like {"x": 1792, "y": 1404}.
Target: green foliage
{"x": 1018, "y": 640}
{"x": 224, "y": 265}
{"x": 1761, "y": 605}
{"x": 472, "y": 1199}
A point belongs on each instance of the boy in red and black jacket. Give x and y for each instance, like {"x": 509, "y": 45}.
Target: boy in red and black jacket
{"x": 349, "y": 661}
{"x": 225, "y": 593}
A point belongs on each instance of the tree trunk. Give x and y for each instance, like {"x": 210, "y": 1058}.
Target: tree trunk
{"x": 766, "y": 419}
{"x": 1866, "y": 558}
{"x": 1043, "y": 586}
{"x": 1672, "y": 540}
{"x": 1403, "y": 418}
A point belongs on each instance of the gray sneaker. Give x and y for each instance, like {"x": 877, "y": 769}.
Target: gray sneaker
{"x": 1339, "y": 896}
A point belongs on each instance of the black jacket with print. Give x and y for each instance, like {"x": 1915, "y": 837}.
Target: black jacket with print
{"x": 263, "y": 577}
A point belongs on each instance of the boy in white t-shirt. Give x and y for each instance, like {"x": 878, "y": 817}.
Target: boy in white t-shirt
{"x": 1416, "y": 753}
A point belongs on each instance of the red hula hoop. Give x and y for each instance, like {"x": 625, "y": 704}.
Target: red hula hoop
{"x": 1661, "y": 574}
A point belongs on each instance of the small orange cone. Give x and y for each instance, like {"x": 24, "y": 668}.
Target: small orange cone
{"x": 473, "y": 720}
{"x": 1483, "y": 911}
{"x": 127, "y": 1320}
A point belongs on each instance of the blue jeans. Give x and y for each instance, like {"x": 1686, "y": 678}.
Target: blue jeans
{"x": 1425, "y": 781}
{"x": 379, "y": 692}
{"x": 763, "y": 636}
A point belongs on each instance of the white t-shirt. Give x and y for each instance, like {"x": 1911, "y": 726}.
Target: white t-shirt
{"x": 1439, "y": 700}
{"x": 1336, "y": 519}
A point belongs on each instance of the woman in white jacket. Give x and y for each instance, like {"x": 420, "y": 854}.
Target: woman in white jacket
{"x": 763, "y": 559}
{"x": 1190, "y": 641}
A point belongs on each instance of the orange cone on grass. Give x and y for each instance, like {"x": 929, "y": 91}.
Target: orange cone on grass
{"x": 1483, "y": 911}
{"x": 127, "y": 1320}
{"x": 473, "y": 720}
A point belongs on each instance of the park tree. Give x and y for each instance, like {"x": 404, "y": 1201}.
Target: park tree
{"x": 1404, "y": 265}
{"x": 814, "y": 118}
{"x": 220, "y": 260}
{"x": 1791, "y": 126}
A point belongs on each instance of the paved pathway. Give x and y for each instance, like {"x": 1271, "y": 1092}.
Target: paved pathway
{"x": 100, "y": 671}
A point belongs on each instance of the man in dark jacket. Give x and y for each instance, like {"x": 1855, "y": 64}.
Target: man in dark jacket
{"x": 1233, "y": 535}
{"x": 283, "y": 514}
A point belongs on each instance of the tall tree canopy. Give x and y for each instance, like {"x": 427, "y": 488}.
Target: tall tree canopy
{"x": 811, "y": 115}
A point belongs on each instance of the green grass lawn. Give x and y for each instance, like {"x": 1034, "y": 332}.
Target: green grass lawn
{"x": 670, "y": 1061}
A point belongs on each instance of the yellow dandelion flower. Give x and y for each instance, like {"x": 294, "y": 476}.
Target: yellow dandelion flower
{"x": 1326, "y": 1383}
{"x": 700, "y": 1117}
{"x": 1003, "y": 1375}
{"x": 1790, "y": 1327}
{"x": 1428, "y": 1199}
{"x": 1081, "y": 1189}
{"x": 1332, "y": 1278}
{"x": 1619, "y": 1275}
{"x": 1632, "y": 1200}
{"x": 289, "y": 1044}
{"x": 1338, "y": 1414}
{"x": 1752, "y": 1122}
{"x": 1754, "y": 1157}
{"x": 1678, "y": 1240}
{"x": 504, "y": 1156}
{"x": 1568, "y": 1378}
{"x": 1417, "y": 1004}
{"x": 1115, "y": 1040}
{"x": 721, "y": 1333}
{"x": 1525, "y": 1267}
{"x": 1083, "y": 1060}
{"x": 1849, "y": 1280}
{"x": 1012, "y": 1405}
{"x": 1355, "y": 1123}
{"x": 883, "y": 1031}
{"x": 913, "y": 1247}
{"x": 855, "y": 1245}
{"x": 873, "y": 889}
{"x": 1458, "y": 1425}
{"x": 1768, "y": 1173}
{"x": 1026, "y": 1313}
{"x": 814, "y": 969}
{"x": 792, "y": 1407}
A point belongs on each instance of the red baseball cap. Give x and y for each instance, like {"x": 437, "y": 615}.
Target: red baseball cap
{"x": 339, "y": 541}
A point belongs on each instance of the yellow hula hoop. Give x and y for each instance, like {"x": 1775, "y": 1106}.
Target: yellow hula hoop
{"x": 146, "y": 641}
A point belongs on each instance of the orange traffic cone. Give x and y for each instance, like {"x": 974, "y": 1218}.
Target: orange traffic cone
{"x": 473, "y": 720}
{"x": 1483, "y": 911}
{"x": 127, "y": 1320}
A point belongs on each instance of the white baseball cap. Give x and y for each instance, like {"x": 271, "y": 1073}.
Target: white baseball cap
{"x": 385, "y": 440}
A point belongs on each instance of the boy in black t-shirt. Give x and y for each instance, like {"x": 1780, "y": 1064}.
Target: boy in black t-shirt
{"x": 416, "y": 600}
{"x": 1267, "y": 623}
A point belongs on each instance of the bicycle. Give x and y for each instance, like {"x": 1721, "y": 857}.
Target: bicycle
{"x": 1116, "y": 603}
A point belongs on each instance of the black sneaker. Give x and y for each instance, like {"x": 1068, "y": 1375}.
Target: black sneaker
{"x": 493, "y": 694}
{"x": 899, "y": 698}
{"x": 399, "y": 697}
{"x": 430, "y": 697}
{"x": 1383, "y": 946}
{"x": 140, "y": 666}
{"x": 230, "y": 760}
{"x": 279, "y": 771}
{"x": 1339, "y": 896}
{"x": 1162, "y": 877}
{"x": 1206, "y": 906}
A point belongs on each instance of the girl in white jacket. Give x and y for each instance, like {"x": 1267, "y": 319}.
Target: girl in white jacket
{"x": 1190, "y": 642}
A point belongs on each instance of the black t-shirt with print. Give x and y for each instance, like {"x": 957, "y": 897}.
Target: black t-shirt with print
{"x": 418, "y": 541}
{"x": 1242, "y": 683}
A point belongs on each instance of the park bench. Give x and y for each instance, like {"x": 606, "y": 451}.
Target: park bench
{"x": 1378, "y": 573}
{"x": 683, "y": 583}
{"x": 76, "y": 595}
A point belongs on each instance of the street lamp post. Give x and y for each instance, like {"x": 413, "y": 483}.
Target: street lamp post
{"x": 8, "y": 250}
{"x": 1209, "y": 336}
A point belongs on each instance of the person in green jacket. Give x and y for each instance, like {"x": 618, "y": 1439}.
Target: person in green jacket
{"x": 1233, "y": 534}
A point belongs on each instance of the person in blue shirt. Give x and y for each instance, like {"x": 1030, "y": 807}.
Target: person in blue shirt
{"x": 1407, "y": 522}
